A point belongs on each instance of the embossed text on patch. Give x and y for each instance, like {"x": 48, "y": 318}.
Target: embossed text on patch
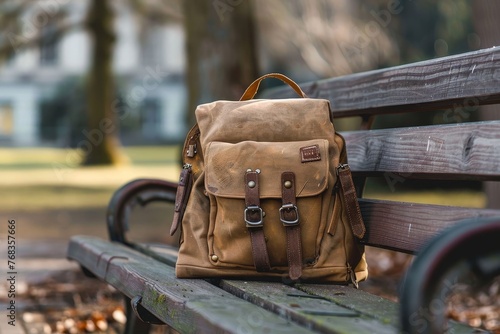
{"x": 310, "y": 153}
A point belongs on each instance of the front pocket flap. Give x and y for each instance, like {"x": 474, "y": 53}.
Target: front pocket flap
{"x": 226, "y": 165}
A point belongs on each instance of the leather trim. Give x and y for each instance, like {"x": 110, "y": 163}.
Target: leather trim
{"x": 289, "y": 213}
{"x": 294, "y": 252}
{"x": 350, "y": 201}
{"x": 181, "y": 198}
{"x": 259, "y": 249}
{"x": 253, "y": 213}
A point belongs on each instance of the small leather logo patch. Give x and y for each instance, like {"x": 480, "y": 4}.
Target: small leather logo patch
{"x": 310, "y": 153}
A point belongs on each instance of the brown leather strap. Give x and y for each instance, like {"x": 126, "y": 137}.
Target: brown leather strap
{"x": 259, "y": 249}
{"x": 350, "y": 201}
{"x": 254, "y": 220}
{"x": 252, "y": 198}
{"x": 294, "y": 252}
{"x": 181, "y": 197}
{"x": 289, "y": 216}
{"x": 254, "y": 86}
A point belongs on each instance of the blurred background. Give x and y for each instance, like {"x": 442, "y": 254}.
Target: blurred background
{"x": 95, "y": 93}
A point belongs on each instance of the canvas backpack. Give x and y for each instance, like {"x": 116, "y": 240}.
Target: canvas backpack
{"x": 266, "y": 193}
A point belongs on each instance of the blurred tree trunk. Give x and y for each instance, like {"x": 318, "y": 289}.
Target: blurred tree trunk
{"x": 102, "y": 133}
{"x": 487, "y": 26}
{"x": 221, "y": 55}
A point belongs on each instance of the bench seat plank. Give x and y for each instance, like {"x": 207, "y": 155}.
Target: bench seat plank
{"x": 371, "y": 305}
{"x": 309, "y": 310}
{"x": 347, "y": 297}
{"x": 466, "y": 79}
{"x": 301, "y": 307}
{"x": 316, "y": 313}
{"x": 411, "y": 225}
{"x": 299, "y": 302}
{"x": 375, "y": 306}
{"x": 460, "y": 151}
{"x": 188, "y": 305}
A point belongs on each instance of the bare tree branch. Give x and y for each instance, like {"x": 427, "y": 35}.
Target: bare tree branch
{"x": 326, "y": 34}
{"x": 17, "y": 42}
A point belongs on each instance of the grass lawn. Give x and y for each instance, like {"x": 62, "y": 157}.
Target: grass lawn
{"x": 49, "y": 178}
{"x": 36, "y": 158}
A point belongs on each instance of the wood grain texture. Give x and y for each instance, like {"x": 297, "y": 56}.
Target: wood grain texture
{"x": 188, "y": 305}
{"x": 472, "y": 77}
{"x": 459, "y": 151}
{"x": 193, "y": 305}
{"x": 359, "y": 300}
{"x": 406, "y": 227}
{"x": 363, "y": 302}
{"x": 312, "y": 311}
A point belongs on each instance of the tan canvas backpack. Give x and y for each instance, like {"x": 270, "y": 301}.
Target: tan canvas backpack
{"x": 266, "y": 192}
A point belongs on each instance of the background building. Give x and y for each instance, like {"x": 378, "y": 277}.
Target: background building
{"x": 42, "y": 84}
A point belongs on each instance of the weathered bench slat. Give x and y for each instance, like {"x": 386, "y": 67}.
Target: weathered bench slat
{"x": 290, "y": 302}
{"x": 467, "y": 79}
{"x": 313, "y": 311}
{"x": 372, "y": 305}
{"x": 187, "y": 305}
{"x": 378, "y": 307}
{"x": 352, "y": 299}
{"x": 323, "y": 308}
{"x": 126, "y": 265}
{"x": 410, "y": 224}
{"x": 460, "y": 151}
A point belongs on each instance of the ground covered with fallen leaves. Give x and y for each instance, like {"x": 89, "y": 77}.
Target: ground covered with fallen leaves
{"x": 478, "y": 308}
{"x": 73, "y": 303}
{"x": 70, "y": 302}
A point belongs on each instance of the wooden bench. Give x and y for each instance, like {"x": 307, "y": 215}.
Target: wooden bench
{"x": 459, "y": 151}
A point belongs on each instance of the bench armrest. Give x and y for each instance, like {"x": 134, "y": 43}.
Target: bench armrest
{"x": 140, "y": 191}
{"x": 470, "y": 247}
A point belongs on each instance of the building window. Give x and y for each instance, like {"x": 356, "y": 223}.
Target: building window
{"x": 151, "y": 118}
{"x": 49, "y": 45}
{"x": 6, "y": 120}
{"x": 152, "y": 45}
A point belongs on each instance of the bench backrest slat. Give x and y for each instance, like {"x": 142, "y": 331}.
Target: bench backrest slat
{"x": 460, "y": 151}
{"x": 464, "y": 80}
{"x": 405, "y": 227}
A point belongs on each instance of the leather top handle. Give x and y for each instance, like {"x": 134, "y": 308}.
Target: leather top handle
{"x": 254, "y": 86}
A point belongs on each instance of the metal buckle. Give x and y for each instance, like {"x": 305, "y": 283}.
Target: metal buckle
{"x": 289, "y": 207}
{"x": 253, "y": 209}
{"x": 342, "y": 166}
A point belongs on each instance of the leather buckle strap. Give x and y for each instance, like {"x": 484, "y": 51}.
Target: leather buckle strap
{"x": 182, "y": 196}
{"x": 350, "y": 201}
{"x": 289, "y": 216}
{"x": 253, "y": 216}
{"x": 259, "y": 250}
